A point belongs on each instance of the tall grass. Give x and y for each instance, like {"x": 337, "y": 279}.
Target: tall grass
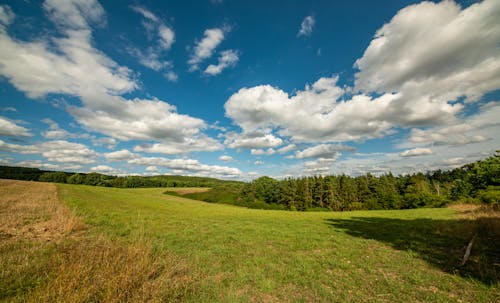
{"x": 46, "y": 255}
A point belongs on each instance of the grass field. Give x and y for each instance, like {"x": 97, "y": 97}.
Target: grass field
{"x": 142, "y": 245}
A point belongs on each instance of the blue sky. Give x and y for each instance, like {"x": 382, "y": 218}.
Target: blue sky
{"x": 241, "y": 89}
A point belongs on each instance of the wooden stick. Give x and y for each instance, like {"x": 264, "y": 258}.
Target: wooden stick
{"x": 467, "y": 251}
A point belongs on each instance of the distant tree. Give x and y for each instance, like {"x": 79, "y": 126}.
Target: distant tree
{"x": 57, "y": 177}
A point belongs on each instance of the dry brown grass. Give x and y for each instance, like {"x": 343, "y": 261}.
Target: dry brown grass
{"x": 482, "y": 223}
{"x": 31, "y": 210}
{"x": 104, "y": 271}
{"x": 189, "y": 190}
{"x": 47, "y": 256}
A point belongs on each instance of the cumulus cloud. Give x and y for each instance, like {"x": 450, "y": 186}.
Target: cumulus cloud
{"x": 475, "y": 128}
{"x": 261, "y": 152}
{"x": 416, "y": 152}
{"x": 287, "y": 149}
{"x": 54, "y": 131}
{"x": 226, "y": 158}
{"x": 306, "y": 27}
{"x": 104, "y": 169}
{"x": 55, "y": 151}
{"x": 187, "y": 145}
{"x": 152, "y": 168}
{"x": 227, "y": 58}
{"x": 120, "y": 155}
{"x": 436, "y": 51}
{"x": 109, "y": 142}
{"x": 11, "y": 129}
{"x": 419, "y": 64}
{"x": 205, "y": 47}
{"x": 189, "y": 166}
{"x": 137, "y": 119}
{"x": 314, "y": 114}
{"x": 325, "y": 151}
{"x": 69, "y": 64}
{"x": 252, "y": 140}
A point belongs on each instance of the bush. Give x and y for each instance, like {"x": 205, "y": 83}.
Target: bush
{"x": 491, "y": 196}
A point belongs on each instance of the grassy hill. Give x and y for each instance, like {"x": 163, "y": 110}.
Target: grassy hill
{"x": 185, "y": 250}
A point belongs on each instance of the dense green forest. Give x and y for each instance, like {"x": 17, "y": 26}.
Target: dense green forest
{"x": 96, "y": 179}
{"x": 475, "y": 182}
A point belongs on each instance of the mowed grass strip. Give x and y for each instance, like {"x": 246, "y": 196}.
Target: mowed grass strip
{"x": 242, "y": 255}
{"x": 47, "y": 254}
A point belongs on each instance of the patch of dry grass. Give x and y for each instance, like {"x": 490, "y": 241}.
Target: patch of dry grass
{"x": 188, "y": 190}
{"x": 47, "y": 256}
{"x": 103, "y": 271}
{"x": 482, "y": 224}
{"x": 31, "y": 210}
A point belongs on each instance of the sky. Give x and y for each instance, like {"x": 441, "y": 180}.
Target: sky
{"x": 243, "y": 89}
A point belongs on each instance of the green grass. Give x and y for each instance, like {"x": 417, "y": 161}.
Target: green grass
{"x": 247, "y": 255}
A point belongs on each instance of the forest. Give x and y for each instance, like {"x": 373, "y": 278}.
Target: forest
{"x": 476, "y": 182}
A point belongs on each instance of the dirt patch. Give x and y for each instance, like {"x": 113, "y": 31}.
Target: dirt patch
{"x": 189, "y": 190}
{"x": 32, "y": 210}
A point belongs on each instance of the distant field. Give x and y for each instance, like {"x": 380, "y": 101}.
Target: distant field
{"x": 203, "y": 252}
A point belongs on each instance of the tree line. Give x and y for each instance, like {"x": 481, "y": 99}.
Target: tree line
{"x": 479, "y": 181}
{"x": 96, "y": 179}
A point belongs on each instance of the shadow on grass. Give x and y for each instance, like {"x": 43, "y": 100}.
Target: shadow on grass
{"x": 441, "y": 243}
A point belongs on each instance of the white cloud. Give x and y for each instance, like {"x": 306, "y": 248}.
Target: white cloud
{"x": 43, "y": 165}
{"x": 306, "y": 27}
{"x": 165, "y": 38}
{"x": 227, "y": 58}
{"x": 104, "y": 169}
{"x": 6, "y": 15}
{"x": 287, "y": 149}
{"x": 66, "y": 152}
{"x": 252, "y": 140}
{"x": 475, "y": 128}
{"x": 189, "y": 166}
{"x": 171, "y": 76}
{"x": 110, "y": 142}
{"x": 325, "y": 151}
{"x": 416, "y": 152}
{"x": 206, "y": 46}
{"x": 226, "y": 158}
{"x": 261, "y": 152}
{"x": 191, "y": 144}
{"x": 120, "y": 155}
{"x": 11, "y": 129}
{"x": 311, "y": 115}
{"x": 152, "y": 168}
{"x": 75, "y": 14}
{"x": 145, "y": 13}
{"x": 54, "y": 131}
{"x": 258, "y": 162}
{"x": 150, "y": 58}
{"x": 55, "y": 151}
{"x": 436, "y": 51}
{"x": 73, "y": 66}
{"x": 138, "y": 119}
{"x": 321, "y": 166}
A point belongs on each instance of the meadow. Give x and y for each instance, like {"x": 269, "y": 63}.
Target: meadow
{"x": 77, "y": 243}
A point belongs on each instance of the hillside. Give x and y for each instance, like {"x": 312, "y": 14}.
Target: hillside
{"x": 177, "y": 249}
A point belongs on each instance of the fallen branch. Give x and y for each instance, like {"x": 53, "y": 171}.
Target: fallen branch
{"x": 467, "y": 251}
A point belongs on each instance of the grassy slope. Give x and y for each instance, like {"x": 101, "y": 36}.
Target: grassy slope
{"x": 244, "y": 255}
